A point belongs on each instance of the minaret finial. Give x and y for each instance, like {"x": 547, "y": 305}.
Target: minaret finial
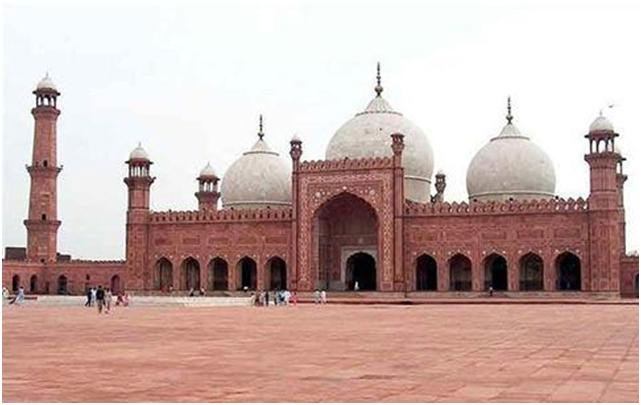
{"x": 260, "y": 127}
{"x": 509, "y": 116}
{"x": 378, "y": 88}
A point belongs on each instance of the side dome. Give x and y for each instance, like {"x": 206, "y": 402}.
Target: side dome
{"x": 260, "y": 178}
{"x": 368, "y": 135}
{"x": 510, "y": 166}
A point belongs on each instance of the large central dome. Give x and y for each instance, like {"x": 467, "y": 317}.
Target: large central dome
{"x": 368, "y": 135}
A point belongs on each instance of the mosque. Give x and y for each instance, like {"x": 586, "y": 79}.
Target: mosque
{"x": 372, "y": 215}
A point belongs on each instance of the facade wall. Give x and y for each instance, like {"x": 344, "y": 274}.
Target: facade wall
{"x": 230, "y": 236}
{"x": 79, "y": 274}
{"x": 630, "y": 276}
{"x": 512, "y": 235}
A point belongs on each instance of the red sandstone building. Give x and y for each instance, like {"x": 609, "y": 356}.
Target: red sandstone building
{"x": 365, "y": 216}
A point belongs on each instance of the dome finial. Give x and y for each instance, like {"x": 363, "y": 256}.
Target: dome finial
{"x": 260, "y": 127}
{"x": 378, "y": 89}
{"x": 509, "y": 116}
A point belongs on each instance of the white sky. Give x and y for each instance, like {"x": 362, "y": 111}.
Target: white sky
{"x": 190, "y": 81}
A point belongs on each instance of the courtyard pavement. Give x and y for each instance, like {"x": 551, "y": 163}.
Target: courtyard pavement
{"x": 451, "y": 353}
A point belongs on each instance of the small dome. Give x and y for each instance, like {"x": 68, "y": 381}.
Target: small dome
{"x": 260, "y": 178}
{"x": 208, "y": 171}
{"x": 295, "y": 139}
{"x": 368, "y": 135}
{"x": 601, "y": 124}
{"x": 46, "y": 83}
{"x": 634, "y": 253}
{"x": 510, "y": 166}
{"x": 139, "y": 153}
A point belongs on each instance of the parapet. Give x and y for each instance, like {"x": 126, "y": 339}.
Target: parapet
{"x": 368, "y": 163}
{"x": 494, "y": 207}
{"x": 228, "y": 215}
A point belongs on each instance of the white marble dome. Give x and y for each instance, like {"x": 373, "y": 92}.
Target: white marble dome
{"x": 260, "y": 178}
{"x": 601, "y": 124}
{"x": 510, "y": 166}
{"x": 139, "y": 153}
{"x": 46, "y": 83}
{"x": 368, "y": 134}
{"x": 208, "y": 171}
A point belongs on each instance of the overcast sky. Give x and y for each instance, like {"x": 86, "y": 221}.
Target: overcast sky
{"x": 190, "y": 81}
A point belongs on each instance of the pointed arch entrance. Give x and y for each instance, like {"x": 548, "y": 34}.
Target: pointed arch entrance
{"x": 276, "y": 274}
{"x": 218, "y": 275}
{"x": 568, "y": 271}
{"x": 163, "y": 275}
{"x": 33, "y": 284}
{"x": 246, "y": 270}
{"x": 361, "y": 269}
{"x": 460, "y": 273}
{"x": 15, "y": 283}
{"x": 63, "y": 285}
{"x": 190, "y": 274}
{"x": 115, "y": 284}
{"x": 495, "y": 272}
{"x": 342, "y": 227}
{"x": 426, "y": 273}
{"x": 531, "y": 273}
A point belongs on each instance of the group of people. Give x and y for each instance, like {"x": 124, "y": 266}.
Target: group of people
{"x": 320, "y": 296}
{"x": 103, "y": 297}
{"x": 18, "y": 299}
{"x": 279, "y": 297}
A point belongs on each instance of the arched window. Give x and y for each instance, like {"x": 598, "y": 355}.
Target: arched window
{"x": 15, "y": 283}
{"x": 62, "y": 285}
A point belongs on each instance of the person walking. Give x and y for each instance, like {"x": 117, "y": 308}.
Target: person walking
{"x": 19, "y": 298}
{"x": 294, "y": 298}
{"x": 266, "y": 298}
{"x": 100, "y": 299}
{"x": 316, "y": 296}
{"x": 323, "y": 295}
{"x": 93, "y": 296}
{"x": 108, "y": 297}
{"x": 88, "y": 303}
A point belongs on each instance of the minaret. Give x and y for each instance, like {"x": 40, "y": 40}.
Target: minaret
{"x": 208, "y": 193}
{"x": 42, "y": 222}
{"x": 621, "y": 179}
{"x": 139, "y": 180}
{"x": 604, "y": 210}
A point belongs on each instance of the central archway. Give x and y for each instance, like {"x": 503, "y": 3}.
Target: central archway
{"x": 342, "y": 227}
{"x": 361, "y": 269}
{"x": 495, "y": 272}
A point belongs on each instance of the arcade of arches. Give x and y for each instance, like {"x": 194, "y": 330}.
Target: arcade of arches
{"x": 360, "y": 266}
{"x": 345, "y": 240}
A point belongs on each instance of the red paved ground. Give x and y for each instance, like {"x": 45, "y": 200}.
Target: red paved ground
{"x": 559, "y": 353}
